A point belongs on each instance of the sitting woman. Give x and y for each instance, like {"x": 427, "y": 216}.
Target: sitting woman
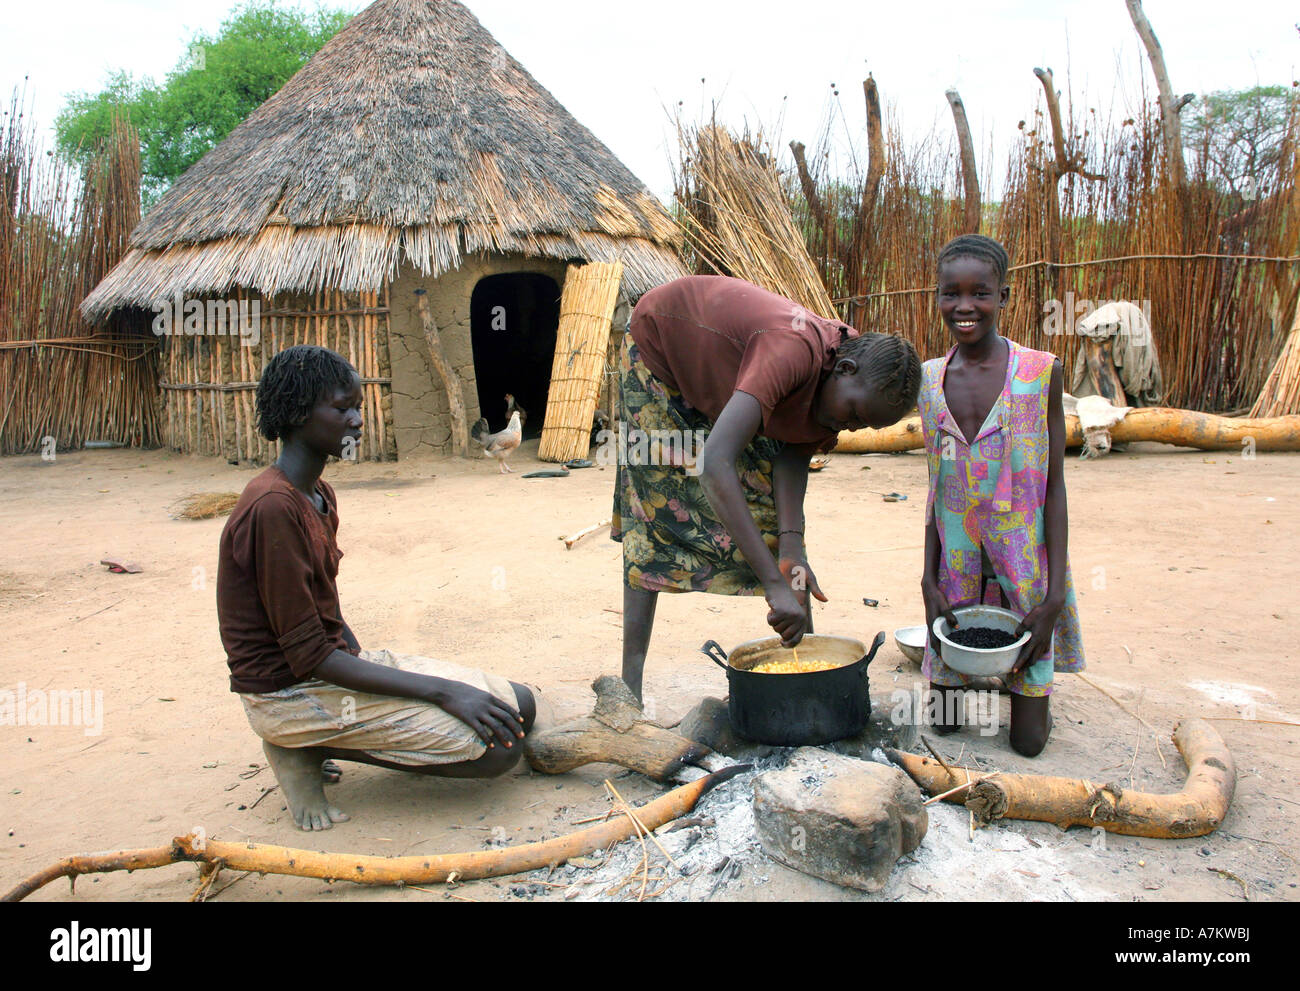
{"x": 311, "y": 693}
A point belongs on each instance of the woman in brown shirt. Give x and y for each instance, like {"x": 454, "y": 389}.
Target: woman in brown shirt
{"x": 308, "y": 688}
{"x": 726, "y": 391}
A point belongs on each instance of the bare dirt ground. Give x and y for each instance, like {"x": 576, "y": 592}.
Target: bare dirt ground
{"x": 1185, "y": 565}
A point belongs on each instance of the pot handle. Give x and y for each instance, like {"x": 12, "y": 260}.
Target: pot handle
{"x": 717, "y": 655}
{"x": 875, "y": 646}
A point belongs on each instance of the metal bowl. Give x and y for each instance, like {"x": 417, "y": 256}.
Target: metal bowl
{"x": 911, "y": 641}
{"x": 972, "y": 661}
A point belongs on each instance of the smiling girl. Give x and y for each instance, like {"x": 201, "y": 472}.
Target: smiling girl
{"x": 996, "y": 521}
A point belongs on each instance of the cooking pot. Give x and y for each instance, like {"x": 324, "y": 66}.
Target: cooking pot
{"x": 797, "y": 710}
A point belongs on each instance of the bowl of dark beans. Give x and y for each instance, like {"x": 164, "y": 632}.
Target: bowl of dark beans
{"x": 984, "y": 643}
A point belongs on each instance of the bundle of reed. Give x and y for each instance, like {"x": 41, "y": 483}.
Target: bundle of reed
{"x": 586, "y": 313}
{"x": 1281, "y": 393}
{"x": 736, "y": 217}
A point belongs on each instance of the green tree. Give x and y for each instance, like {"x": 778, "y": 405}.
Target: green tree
{"x": 216, "y": 84}
{"x": 1239, "y": 136}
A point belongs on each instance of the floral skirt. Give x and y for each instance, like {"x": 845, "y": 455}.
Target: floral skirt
{"x": 672, "y": 539}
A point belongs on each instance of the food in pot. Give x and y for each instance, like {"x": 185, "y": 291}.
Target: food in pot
{"x": 802, "y": 666}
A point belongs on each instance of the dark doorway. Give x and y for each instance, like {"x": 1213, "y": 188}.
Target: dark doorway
{"x": 513, "y": 320}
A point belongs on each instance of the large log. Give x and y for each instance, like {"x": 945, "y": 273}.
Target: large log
{"x": 616, "y": 732}
{"x": 1195, "y": 811}
{"x": 362, "y": 869}
{"x": 1180, "y": 427}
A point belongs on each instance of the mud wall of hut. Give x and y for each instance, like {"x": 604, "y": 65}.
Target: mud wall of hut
{"x": 421, "y": 412}
{"x": 209, "y": 380}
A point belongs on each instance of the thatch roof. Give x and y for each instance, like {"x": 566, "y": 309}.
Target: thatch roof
{"x": 412, "y": 135}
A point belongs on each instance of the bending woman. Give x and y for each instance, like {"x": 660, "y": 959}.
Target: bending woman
{"x": 756, "y": 384}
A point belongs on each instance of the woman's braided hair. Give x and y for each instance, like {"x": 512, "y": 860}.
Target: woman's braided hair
{"x": 293, "y": 382}
{"x": 977, "y": 246}
{"x": 889, "y": 364}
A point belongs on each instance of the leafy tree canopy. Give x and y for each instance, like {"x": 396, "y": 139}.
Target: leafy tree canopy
{"x": 217, "y": 83}
{"x": 1239, "y": 135}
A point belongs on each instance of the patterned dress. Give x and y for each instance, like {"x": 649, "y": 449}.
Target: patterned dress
{"x": 990, "y": 493}
{"x": 672, "y": 538}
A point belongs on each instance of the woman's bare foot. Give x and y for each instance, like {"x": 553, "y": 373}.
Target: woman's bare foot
{"x": 299, "y": 773}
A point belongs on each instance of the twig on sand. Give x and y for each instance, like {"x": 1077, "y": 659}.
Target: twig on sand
{"x": 1088, "y": 681}
{"x": 968, "y": 784}
{"x": 262, "y": 796}
{"x": 225, "y": 886}
{"x": 654, "y": 839}
{"x": 98, "y": 611}
{"x": 935, "y": 754}
{"x": 1137, "y": 748}
{"x": 208, "y": 877}
{"x": 1245, "y": 889}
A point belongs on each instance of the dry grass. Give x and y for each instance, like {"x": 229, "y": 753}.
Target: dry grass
{"x": 207, "y": 505}
{"x": 736, "y": 217}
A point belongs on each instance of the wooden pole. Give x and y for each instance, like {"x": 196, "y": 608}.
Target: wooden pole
{"x": 1170, "y": 107}
{"x": 969, "y": 174}
{"x": 450, "y": 381}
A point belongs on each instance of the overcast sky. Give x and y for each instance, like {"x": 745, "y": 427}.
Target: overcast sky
{"x": 619, "y": 66}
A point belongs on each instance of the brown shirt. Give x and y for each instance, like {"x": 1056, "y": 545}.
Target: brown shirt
{"x": 277, "y": 601}
{"x": 710, "y": 337}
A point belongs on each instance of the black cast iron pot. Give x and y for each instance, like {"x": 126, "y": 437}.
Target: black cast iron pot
{"x": 797, "y": 710}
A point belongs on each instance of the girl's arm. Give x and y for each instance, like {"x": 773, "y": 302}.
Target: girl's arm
{"x": 736, "y": 427}
{"x": 1055, "y": 514}
{"x": 1041, "y": 620}
{"x": 790, "y": 486}
{"x": 936, "y": 603}
{"x": 482, "y": 711}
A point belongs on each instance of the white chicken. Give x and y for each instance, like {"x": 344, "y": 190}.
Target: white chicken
{"x": 499, "y": 446}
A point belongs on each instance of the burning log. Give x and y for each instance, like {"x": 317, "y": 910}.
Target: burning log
{"x": 361, "y": 869}
{"x": 1195, "y": 811}
{"x": 616, "y": 732}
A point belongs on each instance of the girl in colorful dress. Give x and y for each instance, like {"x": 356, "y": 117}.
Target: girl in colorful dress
{"x": 726, "y": 390}
{"x": 996, "y": 522}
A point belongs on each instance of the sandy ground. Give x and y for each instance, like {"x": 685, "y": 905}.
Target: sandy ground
{"x": 1185, "y": 559}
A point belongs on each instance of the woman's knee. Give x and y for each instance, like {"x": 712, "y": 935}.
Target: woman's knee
{"x": 527, "y": 706}
{"x": 498, "y": 760}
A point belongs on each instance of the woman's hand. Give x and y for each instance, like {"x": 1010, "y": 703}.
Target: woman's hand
{"x": 1040, "y": 623}
{"x": 493, "y": 720}
{"x": 789, "y": 600}
{"x": 936, "y": 605}
{"x": 788, "y": 615}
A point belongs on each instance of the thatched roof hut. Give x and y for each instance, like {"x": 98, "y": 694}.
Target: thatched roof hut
{"x": 412, "y": 148}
